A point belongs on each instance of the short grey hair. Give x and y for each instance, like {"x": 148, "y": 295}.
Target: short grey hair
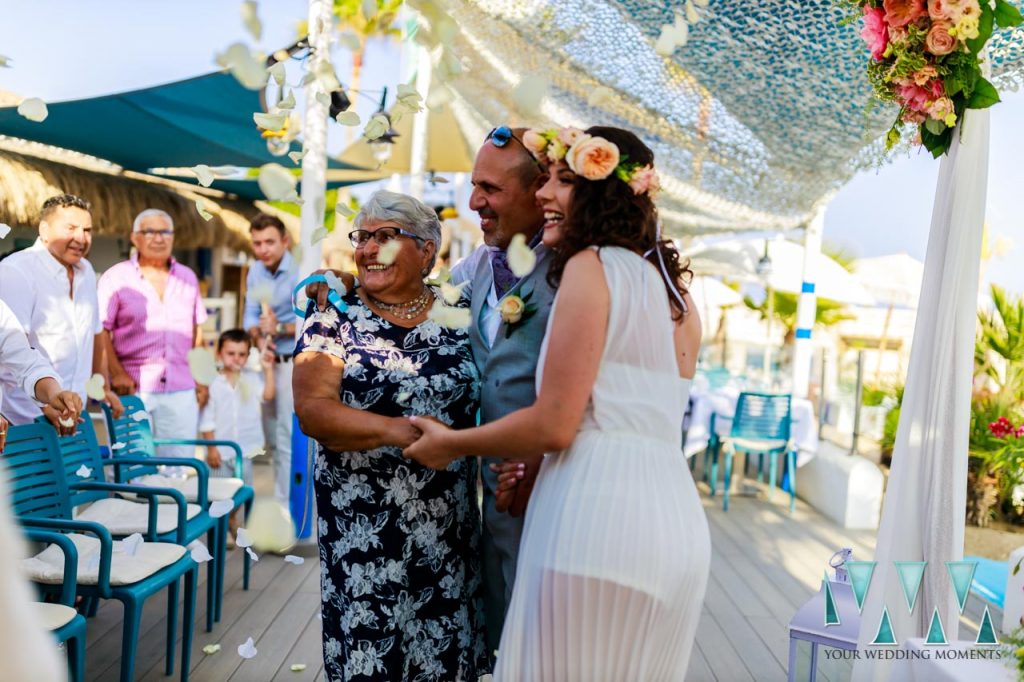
{"x": 149, "y": 212}
{"x": 409, "y": 212}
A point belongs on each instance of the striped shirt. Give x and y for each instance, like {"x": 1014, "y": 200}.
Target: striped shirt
{"x": 152, "y": 336}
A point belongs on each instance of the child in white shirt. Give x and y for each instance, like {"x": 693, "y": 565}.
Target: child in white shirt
{"x": 234, "y": 408}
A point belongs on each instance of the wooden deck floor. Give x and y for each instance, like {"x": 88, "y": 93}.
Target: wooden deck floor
{"x": 765, "y": 564}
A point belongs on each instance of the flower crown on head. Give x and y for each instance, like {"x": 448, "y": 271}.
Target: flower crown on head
{"x": 591, "y": 157}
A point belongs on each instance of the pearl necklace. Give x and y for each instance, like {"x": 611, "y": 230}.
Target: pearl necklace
{"x": 407, "y": 310}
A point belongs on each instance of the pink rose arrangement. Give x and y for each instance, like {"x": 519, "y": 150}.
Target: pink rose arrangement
{"x": 924, "y": 58}
{"x": 591, "y": 157}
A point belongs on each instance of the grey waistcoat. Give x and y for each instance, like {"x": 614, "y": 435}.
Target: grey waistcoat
{"x": 509, "y": 367}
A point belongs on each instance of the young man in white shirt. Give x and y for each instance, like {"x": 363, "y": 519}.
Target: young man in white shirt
{"x": 51, "y": 289}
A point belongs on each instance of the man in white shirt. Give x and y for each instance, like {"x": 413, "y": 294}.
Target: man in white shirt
{"x": 51, "y": 289}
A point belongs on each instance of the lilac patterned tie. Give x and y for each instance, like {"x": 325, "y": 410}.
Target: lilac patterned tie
{"x": 503, "y": 277}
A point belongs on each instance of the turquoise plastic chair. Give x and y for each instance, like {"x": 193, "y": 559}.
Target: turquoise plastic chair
{"x": 761, "y": 426}
{"x": 83, "y": 449}
{"x": 137, "y": 437}
{"x": 42, "y": 499}
{"x": 72, "y": 633}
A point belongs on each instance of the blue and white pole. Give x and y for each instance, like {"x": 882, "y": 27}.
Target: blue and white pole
{"x": 807, "y": 306}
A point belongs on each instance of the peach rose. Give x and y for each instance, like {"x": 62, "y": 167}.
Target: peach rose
{"x": 594, "y": 158}
{"x": 945, "y": 10}
{"x": 942, "y": 110}
{"x": 535, "y": 142}
{"x": 899, "y": 13}
{"x": 511, "y": 309}
{"x": 938, "y": 41}
{"x": 570, "y": 136}
{"x": 925, "y": 74}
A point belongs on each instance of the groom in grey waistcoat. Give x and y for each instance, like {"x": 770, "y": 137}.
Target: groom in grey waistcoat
{"x": 506, "y": 178}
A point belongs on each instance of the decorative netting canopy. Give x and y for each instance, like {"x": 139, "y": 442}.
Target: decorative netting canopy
{"x": 755, "y": 120}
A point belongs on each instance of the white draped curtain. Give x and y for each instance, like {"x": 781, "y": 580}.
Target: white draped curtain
{"x": 925, "y": 501}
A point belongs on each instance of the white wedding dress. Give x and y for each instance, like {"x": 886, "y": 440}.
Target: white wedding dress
{"x": 615, "y": 553}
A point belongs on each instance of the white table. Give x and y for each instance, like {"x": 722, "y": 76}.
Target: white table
{"x": 932, "y": 668}
{"x": 721, "y": 402}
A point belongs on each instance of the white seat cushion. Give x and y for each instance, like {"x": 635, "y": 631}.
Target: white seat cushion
{"x": 216, "y": 489}
{"x": 124, "y": 517}
{"x": 150, "y": 557}
{"x": 763, "y": 444}
{"x": 53, "y": 616}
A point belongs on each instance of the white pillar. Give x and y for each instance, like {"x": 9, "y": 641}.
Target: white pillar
{"x": 807, "y": 307}
{"x": 314, "y": 135}
{"x": 418, "y": 150}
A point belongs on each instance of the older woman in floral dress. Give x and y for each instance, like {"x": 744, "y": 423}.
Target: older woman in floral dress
{"x": 400, "y": 581}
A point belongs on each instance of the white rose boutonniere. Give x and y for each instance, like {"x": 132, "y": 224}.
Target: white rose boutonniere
{"x": 515, "y": 310}
{"x": 512, "y": 308}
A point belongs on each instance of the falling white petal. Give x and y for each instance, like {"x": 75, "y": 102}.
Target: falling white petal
{"x": 600, "y": 96}
{"x": 323, "y": 98}
{"x": 521, "y": 258}
{"x": 83, "y": 472}
{"x": 118, "y": 446}
{"x": 335, "y": 283}
{"x": 247, "y": 650}
{"x": 292, "y": 559}
{"x": 255, "y": 453}
{"x": 389, "y": 252}
{"x": 325, "y": 76}
{"x": 691, "y": 12}
{"x": 448, "y": 316}
{"x": 221, "y": 507}
{"x": 34, "y": 109}
{"x": 276, "y": 183}
{"x": 344, "y": 210}
{"x": 377, "y": 126}
{"x": 350, "y": 40}
{"x": 5, "y": 62}
{"x": 272, "y": 122}
{"x": 348, "y": 118}
{"x": 250, "y": 20}
{"x": 202, "y": 365}
{"x": 66, "y": 422}
{"x": 452, "y": 293}
{"x": 200, "y": 554}
{"x": 297, "y": 667}
{"x": 296, "y": 156}
{"x": 201, "y": 209}
{"x": 319, "y": 234}
{"x": 270, "y": 526}
{"x": 130, "y": 545}
{"x": 252, "y": 555}
{"x": 402, "y": 397}
{"x": 528, "y": 94}
{"x": 140, "y": 415}
{"x": 210, "y": 649}
{"x": 5, "y": 230}
{"x": 287, "y": 102}
{"x": 204, "y": 174}
{"x": 94, "y": 387}
{"x": 242, "y": 538}
{"x": 247, "y": 66}
{"x": 277, "y": 72}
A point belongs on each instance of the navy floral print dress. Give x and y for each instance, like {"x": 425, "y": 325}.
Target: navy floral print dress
{"x": 399, "y": 543}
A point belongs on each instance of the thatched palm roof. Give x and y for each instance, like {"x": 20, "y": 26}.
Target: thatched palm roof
{"x": 118, "y": 196}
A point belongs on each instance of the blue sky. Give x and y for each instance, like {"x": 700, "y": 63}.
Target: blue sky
{"x": 67, "y": 49}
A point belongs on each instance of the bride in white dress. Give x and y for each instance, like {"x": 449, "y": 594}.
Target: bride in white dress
{"x": 615, "y": 553}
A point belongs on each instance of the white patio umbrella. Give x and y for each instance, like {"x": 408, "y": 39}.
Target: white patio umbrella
{"x": 710, "y": 296}
{"x": 893, "y": 280}
{"x": 737, "y": 259}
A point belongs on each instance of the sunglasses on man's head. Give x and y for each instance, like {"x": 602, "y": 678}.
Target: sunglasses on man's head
{"x": 502, "y": 135}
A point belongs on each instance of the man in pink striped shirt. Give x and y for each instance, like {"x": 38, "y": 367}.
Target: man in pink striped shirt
{"x": 151, "y": 309}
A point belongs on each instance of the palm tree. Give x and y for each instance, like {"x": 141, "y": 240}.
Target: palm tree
{"x": 999, "y": 345}
{"x": 826, "y": 314}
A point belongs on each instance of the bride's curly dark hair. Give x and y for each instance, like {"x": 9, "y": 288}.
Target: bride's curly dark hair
{"x": 608, "y": 213}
